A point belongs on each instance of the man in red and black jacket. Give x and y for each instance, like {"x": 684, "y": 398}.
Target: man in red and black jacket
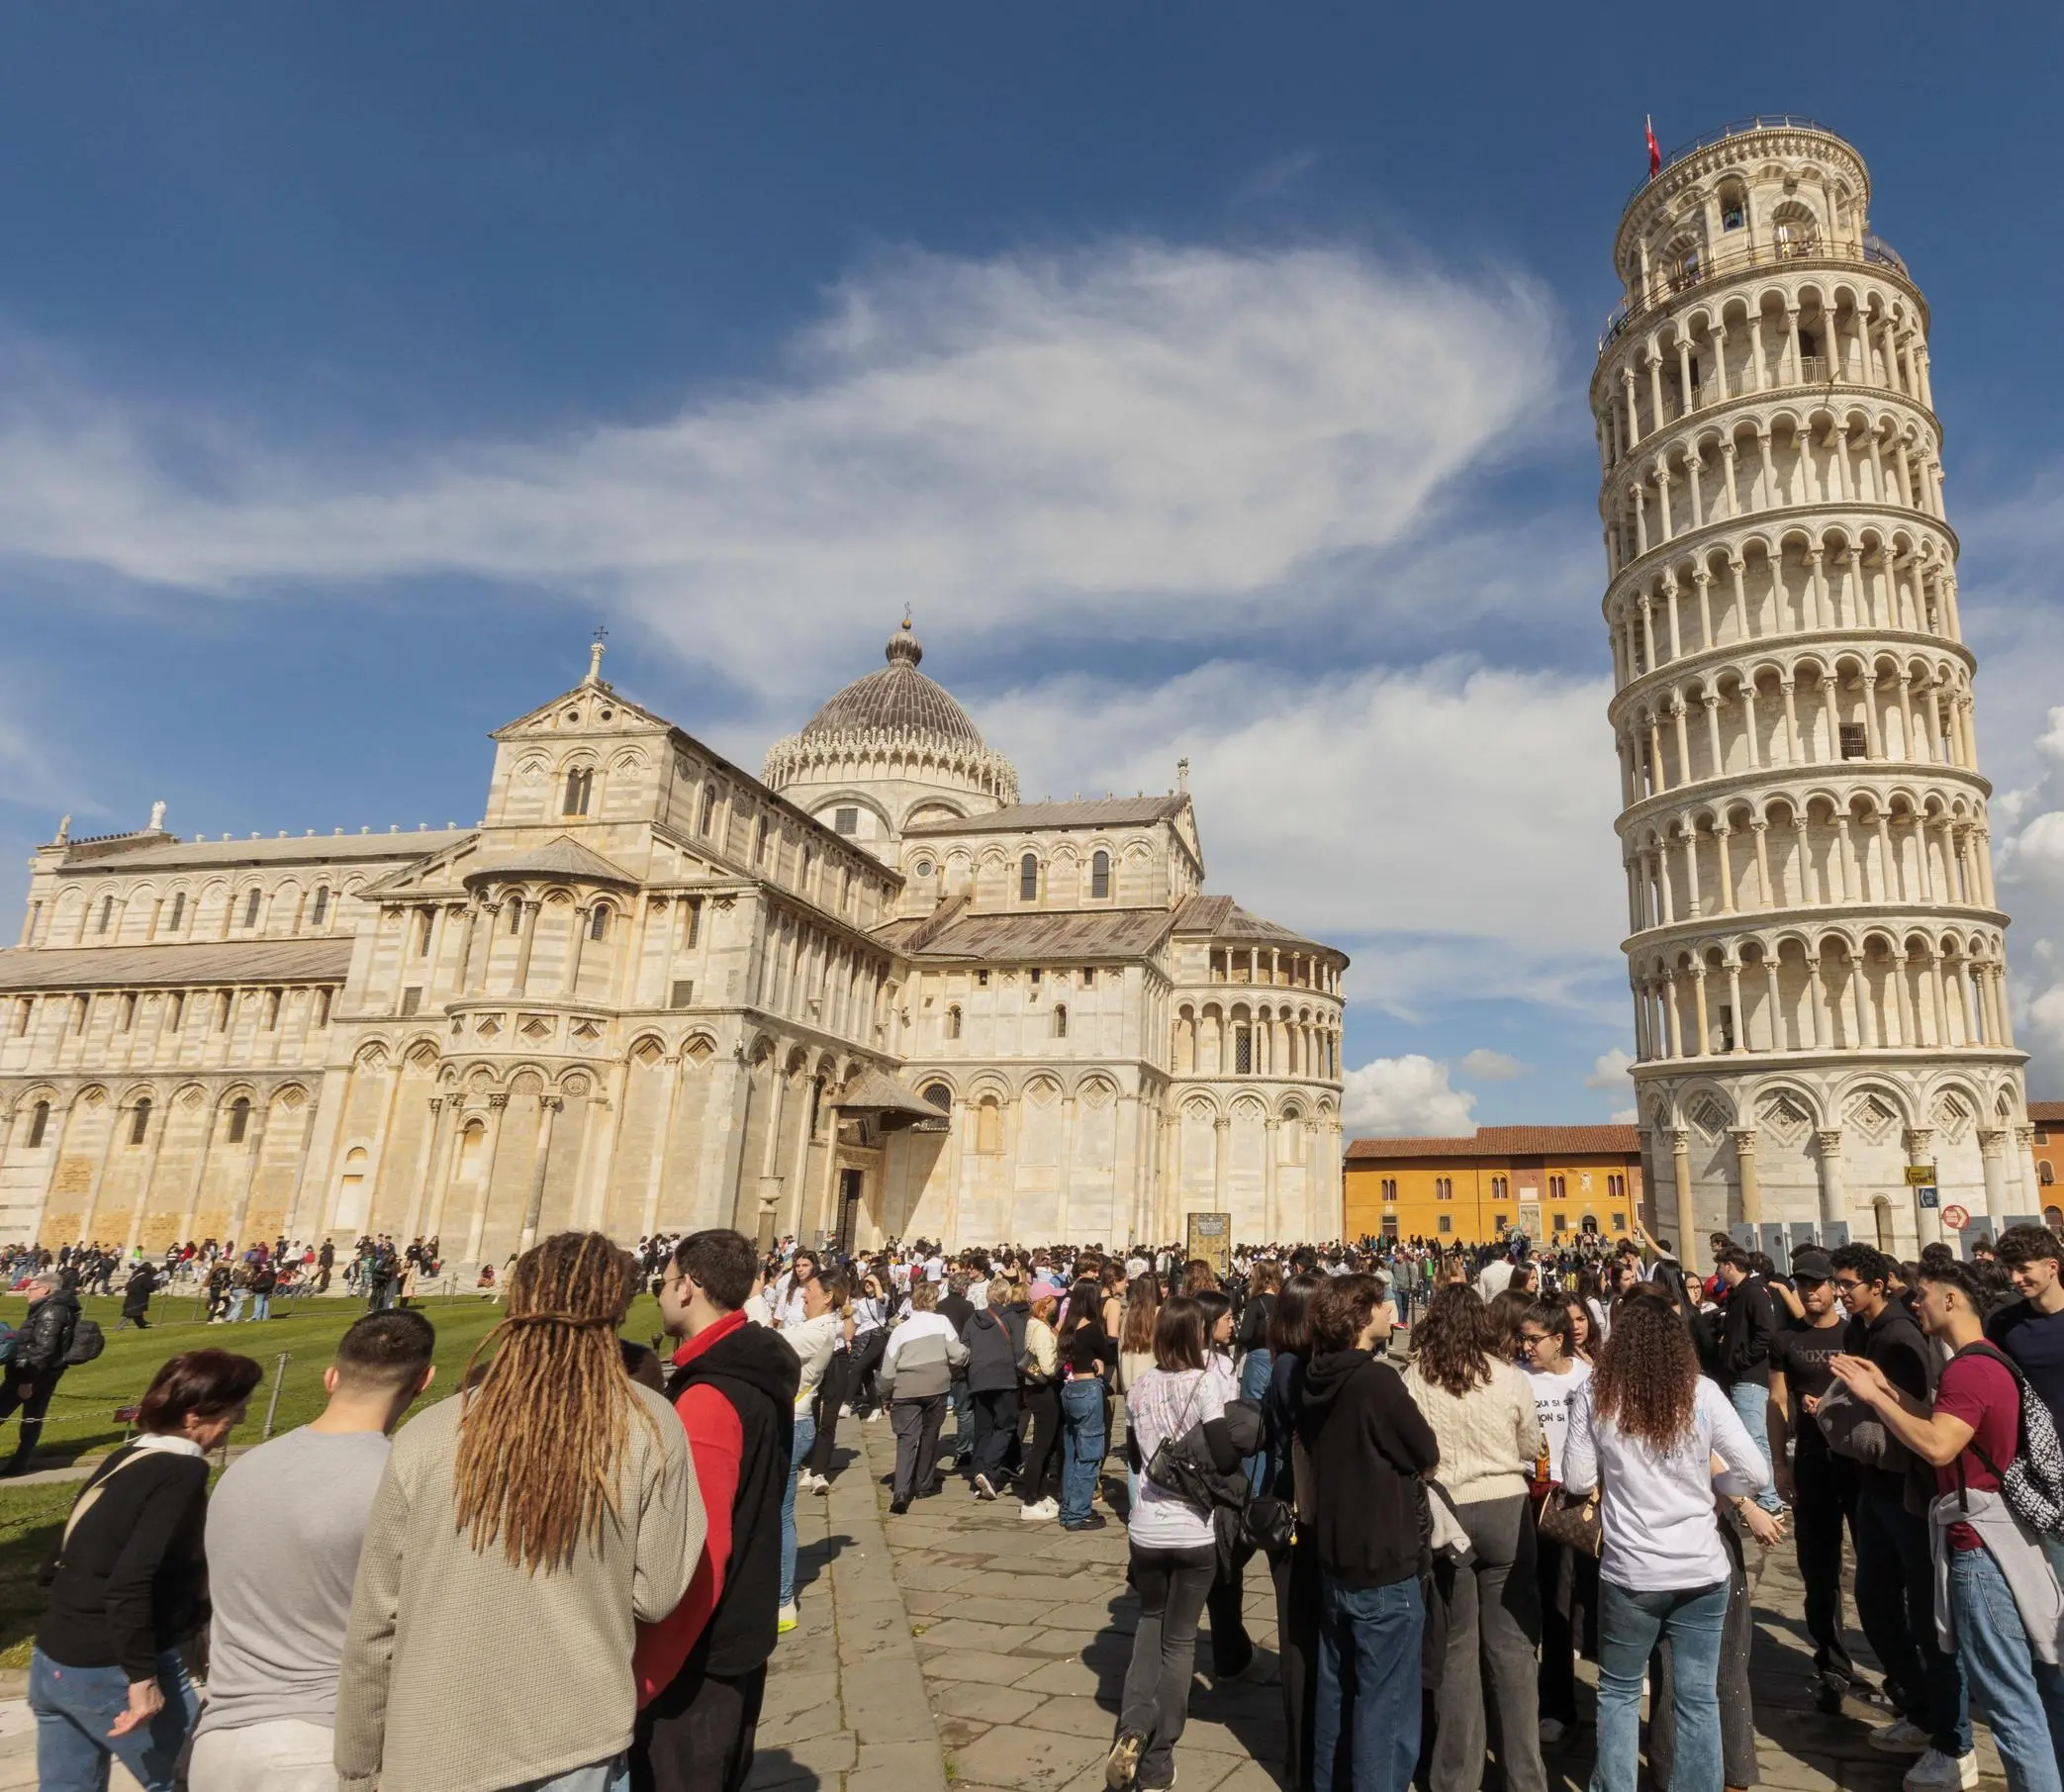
{"x": 701, "y": 1672}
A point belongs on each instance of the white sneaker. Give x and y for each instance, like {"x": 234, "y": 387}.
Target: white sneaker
{"x": 874, "y": 1416}
{"x": 1900, "y": 1737}
{"x": 1045, "y": 1508}
{"x": 1553, "y": 1731}
{"x": 786, "y": 1618}
{"x": 846, "y": 1411}
{"x": 1935, "y": 1771}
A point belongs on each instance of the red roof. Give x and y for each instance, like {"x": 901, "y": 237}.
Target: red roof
{"x": 1509, "y": 1142}
{"x": 2047, "y": 1113}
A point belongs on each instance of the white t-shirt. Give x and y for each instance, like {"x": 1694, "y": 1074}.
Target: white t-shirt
{"x": 1166, "y": 1403}
{"x": 1551, "y": 1397}
{"x": 1494, "y": 1278}
{"x": 812, "y": 1341}
{"x": 1656, "y": 1510}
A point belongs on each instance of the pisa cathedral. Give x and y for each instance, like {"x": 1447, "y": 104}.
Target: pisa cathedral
{"x": 867, "y": 993}
{"x": 1816, "y": 949}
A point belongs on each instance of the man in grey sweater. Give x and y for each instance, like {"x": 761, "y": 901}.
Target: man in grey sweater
{"x": 284, "y": 1532}
{"x": 915, "y": 1376}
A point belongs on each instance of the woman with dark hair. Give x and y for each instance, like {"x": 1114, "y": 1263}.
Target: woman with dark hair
{"x": 1508, "y": 1308}
{"x": 1567, "y": 1578}
{"x": 1646, "y": 1429}
{"x": 1366, "y": 1448}
{"x": 1481, "y": 1411}
{"x": 128, "y": 1588}
{"x": 1233, "y": 1652}
{"x": 522, "y": 1530}
{"x": 1087, "y": 1354}
{"x": 1251, "y": 1342}
{"x": 1173, "y": 1552}
{"x": 1296, "y": 1571}
{"x": 1136, "y": 1357}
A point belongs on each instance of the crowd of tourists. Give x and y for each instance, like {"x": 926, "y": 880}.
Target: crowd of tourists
{"x": 1459, "y": 1472}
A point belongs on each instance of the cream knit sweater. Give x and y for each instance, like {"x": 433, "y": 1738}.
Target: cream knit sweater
{"x": 1489, "y": 1439}
{"x": 462, "y": 1673}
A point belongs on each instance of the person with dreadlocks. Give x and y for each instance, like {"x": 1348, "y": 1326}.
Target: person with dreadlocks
{"x": 520, "y": 1533}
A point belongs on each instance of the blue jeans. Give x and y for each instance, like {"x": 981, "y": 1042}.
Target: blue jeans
{"x": 74, "y": 1708}
{"x": 1752, "y": 1403}
{"x": 1369, "y": 1659}
{"x": 238, "y": 1296}
{"x": 805, "y": 1436}
{"x": 261, "y": 1306}
{"x": 1081, "y": 1445}
{"x": 2023, "y": 1697}
{"x": 1629, "y": 1624}
{"x": 1254, "y": 1385}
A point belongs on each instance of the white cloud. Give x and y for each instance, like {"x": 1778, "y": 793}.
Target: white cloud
{"x": 1609, "y": 1072}
{"x": 1487, "y": 1065}
{"x": 1452, "y": 801}
{"x": 1409, "y": 1096}
{"x": 1133, "y": 435}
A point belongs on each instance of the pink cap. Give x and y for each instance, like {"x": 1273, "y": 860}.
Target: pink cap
{"x": 1046, "y": 1291}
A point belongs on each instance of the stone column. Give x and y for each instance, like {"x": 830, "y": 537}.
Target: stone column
{"x": 433, "y": 1226}
{"x": 419, "y": 1183}
{"x": 254, "y": 1151}
{"x": 1745, "y": 1138}
{"x": 1687, "y": 1219}
{"x": 1833, "y": 1204}
{"x": 526, "y": 942}
{"x": 1272, "y": 1220}
{"x": 548, "y": 1107}
{"x": 653, "y": 1171}
{"x": 1927, "y": 1221}
{"x": 154, "y": 1141}
{"x": 1991, "y": 1141}
{"x": 498, "y": 1105}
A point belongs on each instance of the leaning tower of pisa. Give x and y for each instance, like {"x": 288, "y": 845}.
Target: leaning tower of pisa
{"x": 1814, "y": 942}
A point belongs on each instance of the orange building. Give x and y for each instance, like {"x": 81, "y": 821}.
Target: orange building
{"x": 2047, "y": 1118}
{"x": 1552, "y": 1183}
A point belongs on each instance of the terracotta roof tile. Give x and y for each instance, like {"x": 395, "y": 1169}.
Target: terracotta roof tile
{"x": 1507, "y": 1142}
{"x": 2047, "y": 1113}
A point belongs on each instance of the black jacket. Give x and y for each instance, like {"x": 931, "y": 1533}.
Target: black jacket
{"x": 1747, "y": 1324}
{"x": 1368, "y": 1444}
{"x": 759, "y": 1375}
{"x": 137, "y": 1292}
{"x": 995, "y": 1339}
{"x": 133, "y": 1583}
{"x": 46, "y": 1337}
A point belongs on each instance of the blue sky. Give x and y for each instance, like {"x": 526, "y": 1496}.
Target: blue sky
{"x": 1209, "y": 379}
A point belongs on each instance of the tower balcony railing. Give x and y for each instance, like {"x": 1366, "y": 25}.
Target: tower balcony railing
{"x": 1729, "y": 259}
{"x": 1740, "y": 127}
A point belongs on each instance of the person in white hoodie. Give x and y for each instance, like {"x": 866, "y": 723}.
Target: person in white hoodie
{"x": 917, "y": 1371}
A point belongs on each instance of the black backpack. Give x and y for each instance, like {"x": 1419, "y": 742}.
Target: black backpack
{"x": 87, "y": 1341}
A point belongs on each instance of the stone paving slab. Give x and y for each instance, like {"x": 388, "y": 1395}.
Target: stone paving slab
{"x": 1024, "y": 1633}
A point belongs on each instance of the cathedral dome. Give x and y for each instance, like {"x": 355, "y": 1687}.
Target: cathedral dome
{"x": 897, "y": 700}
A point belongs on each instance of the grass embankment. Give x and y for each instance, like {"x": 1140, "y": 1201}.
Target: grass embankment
{"x": 81, "y": 1423}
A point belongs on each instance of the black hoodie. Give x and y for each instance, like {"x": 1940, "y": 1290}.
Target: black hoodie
{"x": 758, "y": 1373}
{"x": 1368, "y": 1444}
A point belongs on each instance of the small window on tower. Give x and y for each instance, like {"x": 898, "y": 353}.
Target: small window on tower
{"x": 684, "y": 994}
{"x": 39, "y": 1123}
{"x": 846, "y": 822}
{"x": 1028, "y": 878}
{"x": 239, "y": 1119}
{"x": 317, "y": 915}
{"x": 708, "y": 813}
{"x": 1854, "y": 745}
{"x": 1101, "y": 876}
{"x": 598, "y": 923}
{"x": 412, "y": 1000}
{"x": 106, "y": 914}
{"x": 250, "y": 908}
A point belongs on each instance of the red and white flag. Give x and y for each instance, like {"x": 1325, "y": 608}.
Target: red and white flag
{"x": 1654, "y": 154}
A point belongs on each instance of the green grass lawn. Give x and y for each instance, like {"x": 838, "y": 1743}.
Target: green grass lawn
{"x": 82, "y": 1424}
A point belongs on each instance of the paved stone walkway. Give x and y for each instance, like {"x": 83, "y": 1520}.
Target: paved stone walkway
{"x": 959, "y": 1644}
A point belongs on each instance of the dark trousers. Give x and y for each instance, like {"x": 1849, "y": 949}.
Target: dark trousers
{"x": 1173, "y": 1585}
{"x": 831, "y": 1395}
{"x": 867, "y": 1358}
{"x": 696, "y": 1736}
{"x": 1896, "y": 1605}
{"x": 1042, "y": 1457}
{"x": 33, "y": 1407}
{"x": 1232, "y": 1648}
{"x": 916, "y": 1426}
{"x": 1491, "y": 1681}
{"x": 996, "y": 1422}
{"x": 1300, "y": 1598}
{"x": 1825, "y": 1488}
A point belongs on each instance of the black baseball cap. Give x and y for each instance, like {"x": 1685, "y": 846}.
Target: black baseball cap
{"x": 1811, "y": 1266}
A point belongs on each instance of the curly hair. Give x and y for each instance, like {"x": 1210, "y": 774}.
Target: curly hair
{"x": 545, "y": 1426}
{"x": 1648, "y": 1375}
{"x": 1453, "y": 1349}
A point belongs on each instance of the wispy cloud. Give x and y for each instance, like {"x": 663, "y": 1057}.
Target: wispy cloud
{"x": 1137, "y": 436}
